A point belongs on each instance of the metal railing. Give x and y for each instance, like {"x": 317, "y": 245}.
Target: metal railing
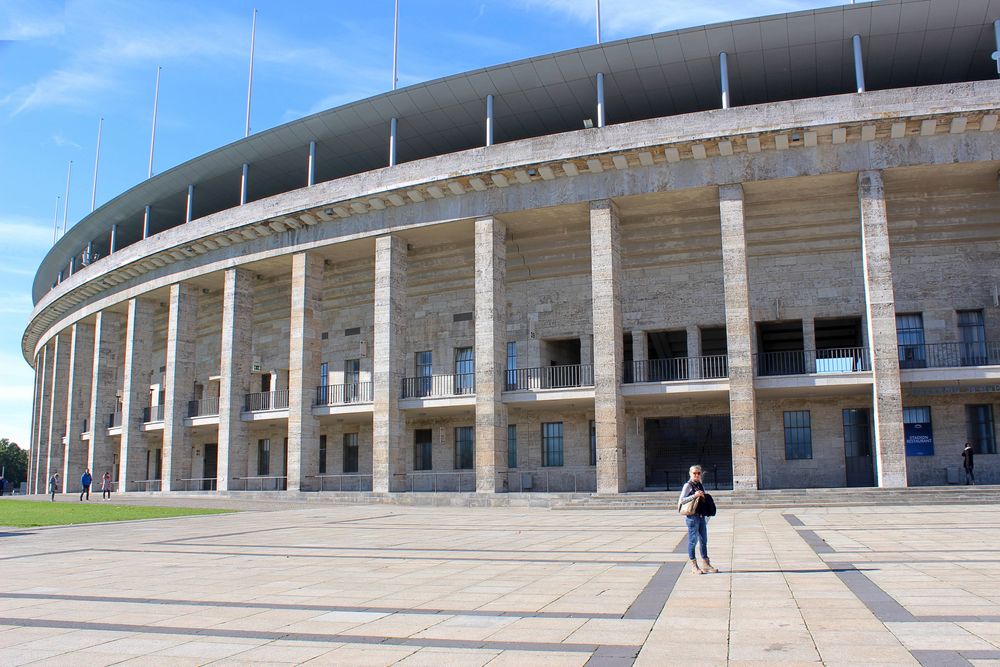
{"x": 677, "y": 369}
{"x": 147, "y": 485}
{"x": 205, "y": 407}
{"x": 802, "y": 362}
{"x": 549, "y": 377}
{"x": 348, "y": 481}
{"x": 545, "y": 480}
{"x": 265, "y": 400}
{"x": 432, "y": 481}
{"x": 462, "y": 384}
{"x": 199, "y": 483}
{"x": 945, "y": 355}
{"x": 344, "y": 394}
{"x": 263, "y": 483}
{"x": 114, "y": 419}
{"x": 153, "y": 413}
{"x": 712, "y": 477}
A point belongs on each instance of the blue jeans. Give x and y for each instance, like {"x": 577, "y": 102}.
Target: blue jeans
{"x": 697, "y": 532}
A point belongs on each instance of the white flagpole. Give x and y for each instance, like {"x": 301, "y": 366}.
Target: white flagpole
{"x": 69, "y": 172}
{"x": 152, "y": 138}
{"x": 97, "y": 162}
{"x": 598, "y": 21}
{"x": 253, "y": 37}
{"x": 55, "y": 221}
{"x": 395, "y": 46}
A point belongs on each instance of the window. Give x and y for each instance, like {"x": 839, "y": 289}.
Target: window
{"x": 465, "y": 378}
{"x": 423, "y": 443}
{"x": 910, "y": 340}
{"x": 324, "y": 374}
{"x": 350, "y": 452}
{"x": 798, "y": 435}
{"x": 511, "y": 365}
{"x": 322, "y": 454}
{"x": 973, "y": 335}
{"x": 552, "y": 444}
{"x": 352, "y": 375}
{"x": 857, "y": 432}
{"x": 264, "y": 457}
{"x": 979, "y": 428}
{"x": 464, "y": 448}
{"x": 425, "y": 369}
{"x": 511, "y": 445}
{"x": 593, "y": 443}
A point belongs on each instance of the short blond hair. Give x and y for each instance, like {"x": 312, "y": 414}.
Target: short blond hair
{"x": 692, "y": 469}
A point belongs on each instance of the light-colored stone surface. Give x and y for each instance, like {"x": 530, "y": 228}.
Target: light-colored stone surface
{"x": 235, "y": 366}
{"x": 388, "y": 459}
{"x": 133, "y": 464}
{"x": 108, "y": 332}
{"x": 303, "y": 370}
{"x": 178, "y": 378}
{"x": 490, "y": 354}
{"x": 78, "y": 400}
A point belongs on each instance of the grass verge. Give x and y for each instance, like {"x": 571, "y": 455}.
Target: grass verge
{"x": 32, "y": 514}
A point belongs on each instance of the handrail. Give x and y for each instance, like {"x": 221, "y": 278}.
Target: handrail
{"x": 553, "y": 479}
{"x": 549, "y": 377}
{"x": 146, "y": 484}
{"x": 434, "y": 475}
{"x": 210, "y": 482}
{"x": 280, "y": 482}
{"x": 364, "y": 481}
{"x": 802, "y": 362}
{"x": 461, "y": 384}
{"x": 153, "y": 413}
{"x": 266, "y": 400}
{"x": 712, "y": 366}
{"x": 344, "y": 394}
{"x": 949, "y": 355}
{"x": 205, "y": 407}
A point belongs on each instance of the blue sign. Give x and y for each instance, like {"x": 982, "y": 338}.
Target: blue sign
{"x": 919, "y": 439}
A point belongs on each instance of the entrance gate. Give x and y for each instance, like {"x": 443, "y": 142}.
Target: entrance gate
{"x": 674, "y": 444}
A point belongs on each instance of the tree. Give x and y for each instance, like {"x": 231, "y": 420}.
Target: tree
{"x": 14, "y": 461}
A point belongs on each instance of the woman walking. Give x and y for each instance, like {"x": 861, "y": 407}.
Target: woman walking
{"x": 697, "y": 523}
{"x": 106, "y": 486}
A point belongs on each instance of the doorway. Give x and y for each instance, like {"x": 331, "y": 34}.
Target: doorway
{"x": 858, "y": 459}
{"x": 674, "y": 444}
{"x": 211, "y": 467}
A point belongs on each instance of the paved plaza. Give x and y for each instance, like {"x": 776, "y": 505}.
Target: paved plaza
{"x": 323, "y": 584}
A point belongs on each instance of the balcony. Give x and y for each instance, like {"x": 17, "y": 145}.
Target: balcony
{"x": 205, "y": 407}
{"x": 153, "y": 413}
{"x": 805, "y": 362}
{"x": 710, "y": 367}
{"x": 114, "y": 420}
{"x": 430, "y": 386}
{"x": 949, "y": 355}
{"x": 549, "y": 377}
{"x": 266, "y": 400}
{"x": 344, "y": 394}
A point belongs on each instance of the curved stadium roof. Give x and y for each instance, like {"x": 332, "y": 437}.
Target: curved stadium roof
{"x": 790, "y": 56}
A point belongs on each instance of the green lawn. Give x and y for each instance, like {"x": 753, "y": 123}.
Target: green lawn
{"x": 30, "y": 514}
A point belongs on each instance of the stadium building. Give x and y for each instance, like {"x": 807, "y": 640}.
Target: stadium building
{"x": 767, "y": 246}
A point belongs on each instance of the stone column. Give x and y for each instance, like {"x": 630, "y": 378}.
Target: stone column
{"x": 694, "y": 352}
{"x": 81, "y": 365}
{"x": 609, "y": 410}
{"x": 640, "y": 355}
{"x": 182, "y": 332}
{"x": 35, "y": 467}
{"x": 491, "y": 310}
{"x": 890, "y": 443}
{"x": 59, "y": 390}
{"x": 135, "y": 393}
{"x": 304, "y": 358}
{"x": 103, "y": 391}
{"x": 234, "y": 369}
{"x": 388, "y": 453}
{"x": 809, "y": 344}
{"x": 739, "y": 335}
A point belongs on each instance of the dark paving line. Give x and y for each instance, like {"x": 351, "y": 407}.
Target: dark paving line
{"x": 38, "y": 554}
{"x": 880, "y": 603}
{"x": 682, "y": 546}
{"x": 940, "y": 658}
{"x": 217, "y": 535}
{"x": 613, "y": 656}
{"x": 793, "y": 520}
{"x": 312, "y": 607}
{"x": 614, "y": 649}
{"x": 649, "y": 603}
{"x": 959, "y": 619}
{"x": 817, "y": 543}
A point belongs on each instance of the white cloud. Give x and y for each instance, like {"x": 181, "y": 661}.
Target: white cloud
{"x": 31, "y": 19}
{"x": 20, "y": 233}
{"x": 59, "y": 140}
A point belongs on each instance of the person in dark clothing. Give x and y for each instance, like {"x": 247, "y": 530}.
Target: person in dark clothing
{"x": 53, "y": 486}
{"x": 967, "y": 463}
{"x": 3, "y": 485}
{"x": 106, "y": 486}
{"x": 697, "y": 523}
{"x": 85, "y": 480}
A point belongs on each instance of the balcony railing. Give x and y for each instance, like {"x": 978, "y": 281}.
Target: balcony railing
{"x": 802, "y": 362}
{"x": 266, "y": 400}
{"x": 549, "y": 377}
{"x": 205, "y": 407}
{"x": 153, "y": 413}
{"x": 348, "y": 481}
{"x": 114, "y": 419}
{"x": 680, "y": 368}
{"x": 946, "y": 355}
{"x": 344, "y": 394}
{"x": 461, "y": 384}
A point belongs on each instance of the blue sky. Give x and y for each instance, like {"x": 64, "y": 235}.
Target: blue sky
{"x": 66, "y": 64}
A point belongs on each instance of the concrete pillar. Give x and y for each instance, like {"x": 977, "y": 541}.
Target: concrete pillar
{"x": 81, "y": 365}
{"x": 103, "y": 391}
{"x": 609, "y": 409}
{"x": 39, "y": 446}
{"x": 491, "y": 353}
{"x": 739, "y": 335}
{"x": 890, "y": 445}
{"x": 135, "y": 392}
{"x": 178, "y": 378}
{"x": 809, "y": 344}
{"x": 640, "y": 355}
{"x": 388, "y": 455}
{"x": 58, "y": 392}
{"x": 304, "y": 358}
{"x": 586, "y": 350}
{"x": 694, "y": 352}
{"x": 234, "y": 369}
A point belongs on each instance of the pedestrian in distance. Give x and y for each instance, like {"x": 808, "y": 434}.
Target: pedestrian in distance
{"x": 967, "y": 463}
{"x": 697, "y": 506}
{"x": 3, "y": 485}
{"x": 53, "y": 486}
{"x": 106, "y": 486}
{"x": 85, "y": 481}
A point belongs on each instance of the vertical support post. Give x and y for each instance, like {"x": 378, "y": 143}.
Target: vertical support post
{"x": 135, "y": 394}
{"x": 600, "y": 99}
{"x": 44, "y": 416}
{"x": 392, "y": 142}
{"x": 739, "y": 332}
{"x": 694, "y": 352}
{"x": 491, "y": 306}
{"x": 388, "y": 459}
{"x": 58, "y": 399}
{"x": 996, "y": 42}
{"x": 640, "y": 356}
{"x": 103, "y": 391}
{"x": 69, "y": 174}
{"x": 152, "y": 135}
{"x": 311, "y": 176}
{"x": 36, "y": 407}
{"x": 113, "y": 245}
{"x": 489, "y": 120}
{"x": 234, "y": 369}
{"x": 189, "y": 208}
{"x": 81, "y": 364}
{"x": 178, "y": 378}
{"x": 880, "y": 311}
{"x": 724, "y": 76}
{"x": 609, "y": 409}
{"x": 243, "y": 183}
{"x": 304, "y": 358}
{"x": 97, "y": 163}
{"x": 859, "y": 70}
{"x": 145, "y": 222}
